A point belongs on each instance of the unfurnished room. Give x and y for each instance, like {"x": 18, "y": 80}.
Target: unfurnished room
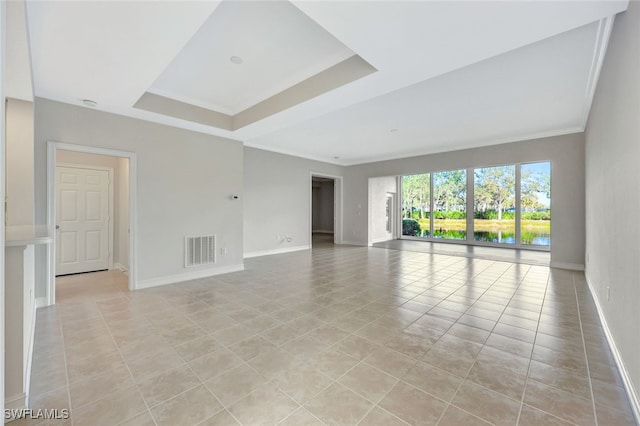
{"x": 315, "y": 212}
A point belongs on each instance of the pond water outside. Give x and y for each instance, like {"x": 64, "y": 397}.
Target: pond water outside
{"x": 535, "y": 233}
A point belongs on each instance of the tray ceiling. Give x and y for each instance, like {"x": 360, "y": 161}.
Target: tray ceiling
{"x": 325, "y": 79}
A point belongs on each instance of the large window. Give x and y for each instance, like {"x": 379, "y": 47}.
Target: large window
{"x": 535, "y": 204}
{"x": 494, "y": 201}
{"x": 511, "y": 205}
{"x": 450, "y": 205}
{"x": 416, "y": 205}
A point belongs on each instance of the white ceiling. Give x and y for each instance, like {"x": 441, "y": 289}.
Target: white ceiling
{"x": 18, "y": 77}
{"x": 108, "y": 51}
{"x": 279, "y": 45}
{"x": 450, "y": 74}
{"x": 533, "y": 91}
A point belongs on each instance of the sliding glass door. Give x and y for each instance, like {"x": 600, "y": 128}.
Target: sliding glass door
{"x": 416, "y": 205}
{"x": 494, "y": 198}
{"x": 450, "y": 205}
{"x": 535, "y": 204}
{"x": 511, "y": 205}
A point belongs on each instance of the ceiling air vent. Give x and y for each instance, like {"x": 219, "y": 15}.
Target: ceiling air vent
{"x": 199, "y": 250}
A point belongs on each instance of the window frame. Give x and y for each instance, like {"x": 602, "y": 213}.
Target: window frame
{"x": 470, "y": 209}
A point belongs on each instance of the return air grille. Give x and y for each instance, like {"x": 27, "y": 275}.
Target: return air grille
{"x": 199, "y": 250}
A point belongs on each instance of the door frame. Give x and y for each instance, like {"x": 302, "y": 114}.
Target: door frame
{"x": 52, "y": 148}
{"x": 111, "y": 202}
{"x": 337, "y": 206}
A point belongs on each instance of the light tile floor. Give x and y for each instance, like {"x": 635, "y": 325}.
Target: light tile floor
{"x": 504, "y": 254}
{"x": 336, "y": 336}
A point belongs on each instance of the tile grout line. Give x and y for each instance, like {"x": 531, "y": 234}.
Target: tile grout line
{"x": 66, "y": 370}
{"x": 450, "y": 402}
{"x": 270, "y": 381}
{"x": 437, "y": 316}
{"x": 305, "y": 334}
{"x": 374, "y": 405}
{"x": 202, "y": 382}
{"x": 490, "y": 332}
{"x": 584, "y": 348}
{"x": 533, "y": 346}
{"x": 128, "y": 369}
{"x": 406, "y": 274}
{"x": 184, "y": 363}
{"x": 377, "y": 403}
{"x": 416, "y": 360}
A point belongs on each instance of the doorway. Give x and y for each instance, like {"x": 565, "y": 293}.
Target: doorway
{"x": 85, "y": 216}
{"x": 325, "y": 209}
{"x": 91, "y": 211}
{"x": 322, "y": 210}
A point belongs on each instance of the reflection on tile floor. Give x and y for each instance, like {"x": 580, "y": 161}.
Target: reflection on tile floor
{"x": 336, "y": 336}
{"x": 504, "y": 253}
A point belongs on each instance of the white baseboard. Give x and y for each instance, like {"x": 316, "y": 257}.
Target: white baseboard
{"x": 120, "y": 267}
{"x": 16, "y": 402}
{"x": 626, "y": 379}
{"x": 187, "y": 276}
{"x": 275, "y": 251}
{"x": 322, "y": 231}
{"x": 27, "y": 384}
{"x": 569, "y": 266}
{"x": 381, "y": 240}
{"x": 355, "y": 243}
{"x": 41, "y": 302}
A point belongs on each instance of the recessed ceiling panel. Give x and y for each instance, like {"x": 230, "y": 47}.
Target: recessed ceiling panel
{"x": 446, "y": 74}
{"x": 533, "y": 91}
{"x": 107, "y": 51}
{"x": 278, "y": 46}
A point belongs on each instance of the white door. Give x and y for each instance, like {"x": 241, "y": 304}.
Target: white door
{"x": 82, "y": 214}
{"x": 389, "y": 217}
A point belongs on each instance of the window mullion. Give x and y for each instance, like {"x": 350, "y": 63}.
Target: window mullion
{"x": 430, "y": 205}
{"x": 518, "y": 206}
{"x": 470, "y": 205}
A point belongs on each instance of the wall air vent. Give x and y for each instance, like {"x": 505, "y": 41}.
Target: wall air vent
{"x": 199, "y": 250}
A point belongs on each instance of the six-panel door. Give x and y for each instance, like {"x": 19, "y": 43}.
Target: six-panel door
{"x": 82, "y": 214}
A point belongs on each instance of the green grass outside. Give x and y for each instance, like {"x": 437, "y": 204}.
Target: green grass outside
{"x": 486, "y": 225}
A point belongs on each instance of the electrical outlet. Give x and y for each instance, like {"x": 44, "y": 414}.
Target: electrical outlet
{"x": 608, "y": 293}
{"x": 223, "y": 250}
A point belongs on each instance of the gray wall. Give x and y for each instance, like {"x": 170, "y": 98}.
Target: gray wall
{"x": 378, "y": 189}
{"x": 277, "y": 191}
{"x": 567, "y": 198}
{"x": 323, "y": 206}
{"x": 613, "y": 191}
{"x": 19, "y": 150}
{"x": 185, "y": 181}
